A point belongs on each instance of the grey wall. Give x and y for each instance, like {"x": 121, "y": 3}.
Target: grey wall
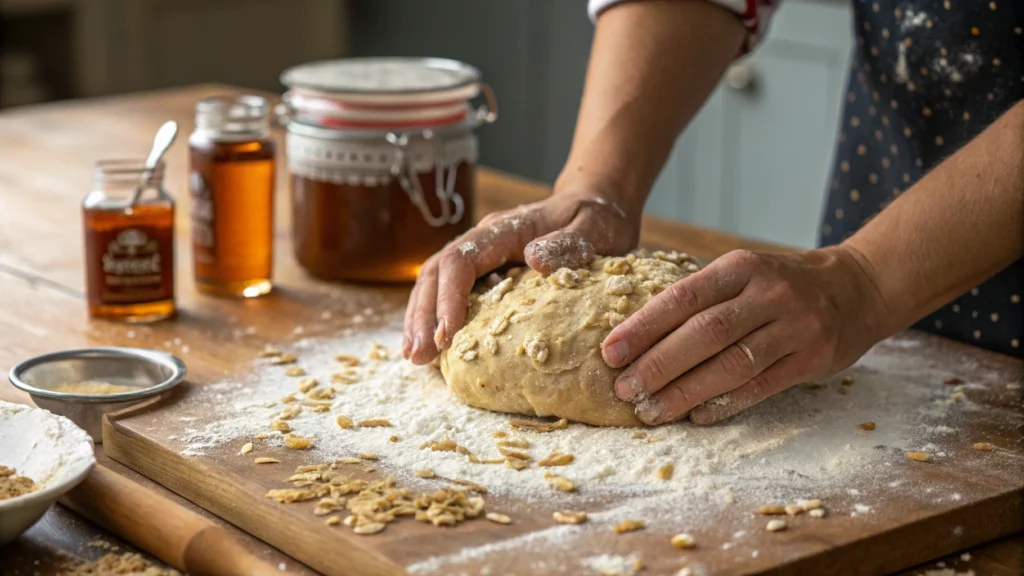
{"x": 532, "y": 52}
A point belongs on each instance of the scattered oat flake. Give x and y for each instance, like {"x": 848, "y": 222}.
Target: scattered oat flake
{"x": 629, "y": 525}
{"x": 794, "y": 509}
{"x": 375, "y": 423}
{"x": 770, "y": 509}
{"x": 368, "y": 529}
{"x": 515, "y": 443}
{"x": 984, "y": 446}
{"x": 919, "y": 456}
{"x": 284, "y": 359}
{"x": 425, "y": 473}
{"x": 499, "y": 434}
{"x": 665, "y": 472}
{"x": 246, "y": 448}
{"x": 297, "y": 442}
{"x": 498, "y": 518}
{"x": 393, "y": 438}
{"x": 539, "y": 426}
{"x": 266, "y": 460}
{"x": 560, "y": 483}
{"x": 295, "y": 371}
{"x": 344, "y": 422}
{"x": 346, "y": 360}
{"x": 569, "y": 517}
{"x": 268, "y": 352}
{"x": 368, "y": 456}
{"x": 683, "y": 541}
{"x": 556, "y": 459}
{"x": 348, "y": 460}
{"x": 867, "y": 426}
{"x": 776, "y": 525}
{"x": 816, "y": 513}
{"x": 471, "y": 485}
{"x": 332, "y": 521}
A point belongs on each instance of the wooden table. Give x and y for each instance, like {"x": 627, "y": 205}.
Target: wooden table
{"x": 45, "y": 157}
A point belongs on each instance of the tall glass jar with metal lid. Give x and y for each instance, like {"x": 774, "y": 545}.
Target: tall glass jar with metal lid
{"x": 382, "y": 157}
{"x": 232, "y": 185}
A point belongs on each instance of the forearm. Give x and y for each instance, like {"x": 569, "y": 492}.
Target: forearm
{"x": 652, "y": 66}
{"x": 957, "y": 226}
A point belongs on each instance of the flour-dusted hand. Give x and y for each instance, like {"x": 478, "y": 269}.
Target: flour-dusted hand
{"x": 565, "y": 230}
{"x": 746, "y": 327}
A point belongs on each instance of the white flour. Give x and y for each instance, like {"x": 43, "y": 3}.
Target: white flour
{"x": 45, "y": 447}
{"x": 803, "y": 443}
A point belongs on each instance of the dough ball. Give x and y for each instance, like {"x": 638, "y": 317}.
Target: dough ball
{"x": 532, "y": 344}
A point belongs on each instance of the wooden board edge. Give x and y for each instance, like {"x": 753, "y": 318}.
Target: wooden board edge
{"x": 323, "y": 550}
{"x": 903, "y": 547}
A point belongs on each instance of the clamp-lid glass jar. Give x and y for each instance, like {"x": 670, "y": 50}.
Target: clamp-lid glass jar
{"x": 382, "y": 157}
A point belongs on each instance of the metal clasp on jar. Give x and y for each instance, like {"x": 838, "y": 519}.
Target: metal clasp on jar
{"x": 453, "y": 206}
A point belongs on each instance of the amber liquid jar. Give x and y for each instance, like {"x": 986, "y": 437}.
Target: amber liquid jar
{"x": 232, "y": 191}
{"x": 129, "y": 248}
{"x": 371, "y": 231}
{"x": 382, "y": 158}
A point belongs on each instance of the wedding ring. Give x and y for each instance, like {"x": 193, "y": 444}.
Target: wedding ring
{"x": 746, "y": 351}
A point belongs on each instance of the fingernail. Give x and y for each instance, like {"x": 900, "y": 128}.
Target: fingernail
{"x": 616, "y": 353}
{"x": 406, "y": 345}
{"x": 630, "y": 389}
{"x": 650, "y": 412}
{"x": 440, "y": 334}
{"x": 416, "y": 345}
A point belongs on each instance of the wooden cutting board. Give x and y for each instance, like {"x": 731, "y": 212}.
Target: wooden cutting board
{"x": 899, "y": 532}
{"x": 41, "y": 198}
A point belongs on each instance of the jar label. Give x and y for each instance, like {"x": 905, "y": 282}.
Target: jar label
{"x": 202, "y": 215}
{"x": 134, "y": 265}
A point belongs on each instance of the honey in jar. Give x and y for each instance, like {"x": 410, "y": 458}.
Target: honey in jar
{"x": 232, "y": 185}
{"x": 129, "y": 245}
{"x": 382, "y": 157}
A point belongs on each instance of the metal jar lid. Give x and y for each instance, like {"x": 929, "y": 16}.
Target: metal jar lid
{"x": 387, "y": 80}
{"x": 384, "y": 94}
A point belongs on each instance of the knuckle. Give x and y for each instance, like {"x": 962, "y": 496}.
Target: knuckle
{"x": 681, "y": 296}
{"x": 759, "y": 386}
{"x": 743, "y": 258}
{"x": 684, "y": 400}
{"x": 654, "y": 369}
{"x": 734, "y": 362}
{"x": 713, "y": 329}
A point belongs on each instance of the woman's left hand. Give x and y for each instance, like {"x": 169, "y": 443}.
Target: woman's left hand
{"x": 746, "y": 327}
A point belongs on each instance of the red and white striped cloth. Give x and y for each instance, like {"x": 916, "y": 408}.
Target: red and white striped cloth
{"x": 754, "y": 14}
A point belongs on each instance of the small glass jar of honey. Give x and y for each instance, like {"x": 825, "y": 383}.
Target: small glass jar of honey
{"x": 382, "y": 157}
{"x": 231, "y": 179}
{"x": 129, "y": 243}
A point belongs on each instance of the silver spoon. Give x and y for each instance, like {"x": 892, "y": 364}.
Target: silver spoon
{"x": 163, "y": 140}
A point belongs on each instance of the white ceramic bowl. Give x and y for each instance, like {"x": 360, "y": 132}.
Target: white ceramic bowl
{"x": 47, "y": 448}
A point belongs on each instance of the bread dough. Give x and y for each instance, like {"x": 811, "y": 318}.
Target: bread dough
{"x": 532, "y": 344}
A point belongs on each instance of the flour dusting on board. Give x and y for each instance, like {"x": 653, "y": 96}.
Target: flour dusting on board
{"x": 804, "y": 443}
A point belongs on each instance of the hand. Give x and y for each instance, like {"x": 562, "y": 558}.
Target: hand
{"x": 746, "y": 327}
{"x": 565, "y": 230}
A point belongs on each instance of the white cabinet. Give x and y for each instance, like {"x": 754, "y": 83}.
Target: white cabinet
{"x": 756, "y": 159}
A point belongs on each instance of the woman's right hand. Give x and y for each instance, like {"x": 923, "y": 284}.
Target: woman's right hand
{"x": 566, "y": 230}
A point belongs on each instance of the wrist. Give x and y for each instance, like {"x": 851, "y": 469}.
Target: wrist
{"x": 624, "y": 193}
{"x": 878, "y": 317}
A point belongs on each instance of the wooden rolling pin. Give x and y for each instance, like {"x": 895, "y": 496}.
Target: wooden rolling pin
{"x": 179, "y": 537}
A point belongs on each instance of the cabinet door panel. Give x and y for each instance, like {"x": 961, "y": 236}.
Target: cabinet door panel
{"x": 755, "y": 160}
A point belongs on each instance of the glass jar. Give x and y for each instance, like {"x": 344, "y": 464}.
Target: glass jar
{"x": 129, "y": 243}
{"x": 232, "y": 184}
{"x": 382, "y": 156}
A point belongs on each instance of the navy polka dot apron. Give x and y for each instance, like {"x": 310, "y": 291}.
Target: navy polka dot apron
{"x": 927, "y": 77}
